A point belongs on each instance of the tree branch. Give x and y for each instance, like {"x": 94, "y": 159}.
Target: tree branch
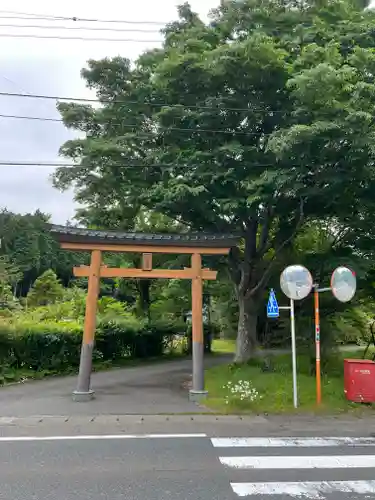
{"x": 251, "y": 230}
{"x": 341, "y": 235}
{"x": 269, "y": 267}
{"x": 262, "y": 247}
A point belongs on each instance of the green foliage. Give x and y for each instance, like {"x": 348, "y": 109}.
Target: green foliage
{"x": 9, "y": 273}
{"x": 46, "y": 290}
{"x": 59, "y": 311}
{"x": 173, "y": 300}
{"x": 29, "y": 247}
{"x": 6, "y": 295}
{"x": 43, "y": 346}
{"x": 224, "y": 307}
{"x": 351, "y": 326}
{"x": 253, "y": 123}
{"x": 76, "y": 297}
{"x": 260, "y": 123}
{"x": 110, "y": 307}
{"x": 274, "y": 382}
{"x": 72, "y": 306}
{"x": 321, "y": 247}
{"x": 8, "y": 303}
{"x": 210, "y": 332}
{"x": 54, "y": 347}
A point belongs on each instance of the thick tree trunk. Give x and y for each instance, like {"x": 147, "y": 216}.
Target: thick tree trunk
{"x": 247, "y": 328}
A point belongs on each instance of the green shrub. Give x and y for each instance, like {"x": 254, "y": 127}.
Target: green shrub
{"x": 55, "y": 347}
{"x": 351, "y": 326}
{"x": 46, "y": 290}
{"x": 72, "y": 307}
{"x": 210, "y": 331}
{"x": 173, "y": 332}
{"x": 133, "y": 338}
{"x": 114, "y": 339}
{"x": 43, "y": 346}
{"x": 110, "y": 307}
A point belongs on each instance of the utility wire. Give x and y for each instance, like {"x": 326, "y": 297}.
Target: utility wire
{"x": 38, "y": 118}
{"x": 81, "y": 28}
{"x": 17, "y": 13}
{"x": 56, "y": 37}
{"x": 47, "y": 17}
{"x": 31, "y": 15}
{"x": 118, "y": 165}
{"x": 128, "y": 125}
{"x": 74, "y": 165}
{"x": 120, "y": 101}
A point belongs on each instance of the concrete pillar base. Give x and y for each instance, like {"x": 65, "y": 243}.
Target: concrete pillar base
{"x": 82, "y": 397}
{"x": 197, "y": 396}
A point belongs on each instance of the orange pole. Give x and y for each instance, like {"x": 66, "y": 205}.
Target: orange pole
{"x": 84, "y": 392}
{"x": 317, "y": 347}
{"x": 197, "y": 392}
{"x": 197, "y": 299}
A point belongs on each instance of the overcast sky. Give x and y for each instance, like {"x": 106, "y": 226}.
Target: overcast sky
{"x": 52, "y": 67}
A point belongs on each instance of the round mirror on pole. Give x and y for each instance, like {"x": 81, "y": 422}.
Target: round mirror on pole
{"x": 343, "y": 284}
{"x": 296, "y": 282}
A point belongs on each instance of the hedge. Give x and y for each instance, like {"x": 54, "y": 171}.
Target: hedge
{"x": 56, "y": 346}
{"x": 210, "y": 332}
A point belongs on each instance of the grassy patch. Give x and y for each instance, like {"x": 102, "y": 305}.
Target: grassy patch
{"x": 223, "y": 346}
{"x": 271, "y": 377}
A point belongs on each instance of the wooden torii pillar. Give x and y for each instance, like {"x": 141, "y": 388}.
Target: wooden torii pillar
{"x": 96, "y": 271}
{"x": 197, "y": 391}
{"x": 83, "y": 391}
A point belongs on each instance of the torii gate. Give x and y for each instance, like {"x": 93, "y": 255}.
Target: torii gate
{"x": 97, "y": 242}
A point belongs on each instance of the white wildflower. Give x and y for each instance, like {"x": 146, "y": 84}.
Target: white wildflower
{"x": 242, "y": 390}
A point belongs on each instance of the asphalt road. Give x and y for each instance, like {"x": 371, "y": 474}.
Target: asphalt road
{"x": 158, "y": 467}
{"x": 141, "y": 390}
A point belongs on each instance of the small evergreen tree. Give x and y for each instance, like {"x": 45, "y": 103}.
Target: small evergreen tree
{"x": 9, "y": 276}
{"x": 46, "y": 290}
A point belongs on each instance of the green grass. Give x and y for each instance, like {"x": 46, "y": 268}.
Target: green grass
{"x": 275, "y": 386}
{"x": 223, "y": 346}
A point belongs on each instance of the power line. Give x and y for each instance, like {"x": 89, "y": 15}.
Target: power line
{"x": 38, "y": 118}
{"x": 118, "y": 165}
{"x": 120, "y": 101}
{"x": 128, "y": 125}
{"x": 48, "y": 17}
{"x": 81, "y": 28}
{"x": 35, "y": 164}
{"x": 28, "y": 14}
{"x": 74, "y": 165}
{"x": 56, "y": 37}
{"x": 16, "y": 12}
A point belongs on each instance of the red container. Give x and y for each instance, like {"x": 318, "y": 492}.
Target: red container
{"x": 359, "y": 380}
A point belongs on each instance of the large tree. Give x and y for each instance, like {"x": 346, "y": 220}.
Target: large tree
{"x": 253, "y": 123}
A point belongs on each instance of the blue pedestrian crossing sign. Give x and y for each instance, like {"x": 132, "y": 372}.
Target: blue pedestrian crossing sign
{"x": 272, "y": 306}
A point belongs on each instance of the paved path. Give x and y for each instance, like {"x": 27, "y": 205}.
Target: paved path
{"x": 186, "y": 467}
{"x": 142, "y": 390}
{"x": 147, "y": 389}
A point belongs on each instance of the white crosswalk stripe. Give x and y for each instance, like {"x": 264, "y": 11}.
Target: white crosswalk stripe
{"x": 323, "y": 462}
{"x": 340, "y": 460}
{"x": 291, "y": 441}
{"x": 311, "y": 490}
